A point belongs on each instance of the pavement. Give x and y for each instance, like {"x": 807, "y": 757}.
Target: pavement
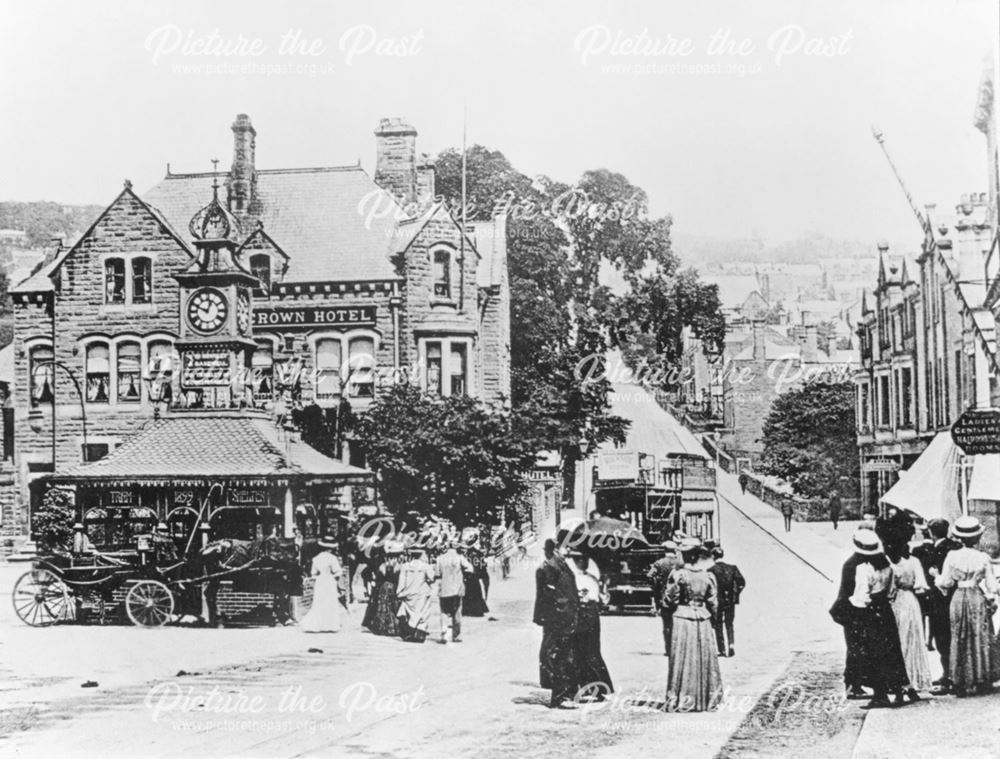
{"x": 936, "y": 727}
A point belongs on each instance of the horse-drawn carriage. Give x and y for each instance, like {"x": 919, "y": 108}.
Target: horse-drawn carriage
{"x": 152, "y": 580}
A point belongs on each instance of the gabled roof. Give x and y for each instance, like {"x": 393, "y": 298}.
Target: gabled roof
{"x": 331, "y": 222}
{"x": 41, "y": 281}
{"x": 214, "y": 445}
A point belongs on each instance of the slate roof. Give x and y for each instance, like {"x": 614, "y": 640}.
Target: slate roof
{"x": 317, "y": 216}
{"x": 212, "y": 445}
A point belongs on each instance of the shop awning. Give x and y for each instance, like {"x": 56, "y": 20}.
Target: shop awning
{"x": 930, "y": 486}
{"x": 984, "y": 485}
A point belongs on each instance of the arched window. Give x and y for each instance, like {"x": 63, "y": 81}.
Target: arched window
{"x": 262, "y": 365}
{"x": 129, "y": 372}
{"x": 260, "y": 267}
{"x": 361, "y": 367}
{"x": 98, "y": 372}
{"x": 328, "y": 367}
{"x": 41, "y": 370}
{"x": 142, "y": 280}
{"x": 161, "y": 366}
{"x": 114, "y": 280}
{"x": 442, "y": 274}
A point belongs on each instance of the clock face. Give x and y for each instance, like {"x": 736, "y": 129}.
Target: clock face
{"x": 243, "y": 313}
{"x": 207, "y": 310}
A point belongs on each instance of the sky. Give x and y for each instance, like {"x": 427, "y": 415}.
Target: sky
{"x": 737, "y": 118}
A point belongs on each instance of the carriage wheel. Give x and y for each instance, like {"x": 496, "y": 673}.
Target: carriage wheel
{"x": 149, "y": 603}
{"x": 40, "y": 598}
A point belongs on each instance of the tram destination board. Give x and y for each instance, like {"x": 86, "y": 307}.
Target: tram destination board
{"x": 977, "y": 431}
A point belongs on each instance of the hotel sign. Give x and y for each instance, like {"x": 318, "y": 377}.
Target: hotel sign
{"x": 977, "y": 431}
{"x": 310, "y": 317}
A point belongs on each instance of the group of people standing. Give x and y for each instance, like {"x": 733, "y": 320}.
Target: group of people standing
{"x": 696, "y": 593}
{"x": 888, "y": 590}
{"x": 567, "y": 607}
{"x": 406, "y": 581}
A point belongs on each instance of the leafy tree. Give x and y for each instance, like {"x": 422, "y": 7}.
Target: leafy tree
{"x": 325, "y": 429}
{"x": 452, "y": 457}
{"x": 810, "y": 439}
{"x": 648, "y": 321}
{"x": 52, "y": 522}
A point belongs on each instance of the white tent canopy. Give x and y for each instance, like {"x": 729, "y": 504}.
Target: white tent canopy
{"x": 930, "y": 486}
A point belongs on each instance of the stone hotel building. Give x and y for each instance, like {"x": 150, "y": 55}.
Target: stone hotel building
{"x": 351, "y": 282}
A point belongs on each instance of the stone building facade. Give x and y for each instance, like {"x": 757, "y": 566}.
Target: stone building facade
{"x": 363, "y": 283}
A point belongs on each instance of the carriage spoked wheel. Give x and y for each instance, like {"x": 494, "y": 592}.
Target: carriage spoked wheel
{"x": 149, "y": 603}
{"x": 40, "y": 598}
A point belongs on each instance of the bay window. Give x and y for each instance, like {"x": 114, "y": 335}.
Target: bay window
{"x": 41, "y": 371}
{"x": 129, "y": 372}
{"x": 446, "y": 366}
{"x": 434, "y": 368}
{"x": 458, "y": 368}
{"x": 328, "y": 368}
{"x": 98, "y": 372}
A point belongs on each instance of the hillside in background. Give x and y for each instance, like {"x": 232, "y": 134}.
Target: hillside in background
{"x": 42, "y": 220}
{"x": 708, "y": 252}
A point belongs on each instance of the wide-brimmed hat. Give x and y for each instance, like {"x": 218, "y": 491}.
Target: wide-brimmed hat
{"x": 327, "y": 541}
{"x": 162, "y": 527}
{"x": 967, "y": 527}
{"x": 393, "y": 548}
{"x": 78, "y": 526}
{"x": 866, "y": 543}
{"x": 669, "y": 545}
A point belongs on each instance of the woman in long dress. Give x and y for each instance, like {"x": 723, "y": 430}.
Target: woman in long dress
{"x": 970, "y": 573}
{"x": 324, "y": 614}
{"x": 380, "y": 616}
{"x": 879, "y": 654}
{"x": 694, "y": 683}
{"x": 908, "y": 577}
{"x": 414, "y": 593}
{"x": 477, "y": 583}
{"x": 592, "y": 671}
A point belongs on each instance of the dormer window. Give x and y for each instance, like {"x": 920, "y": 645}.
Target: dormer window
{"x": 260, "y": 267}
{"x": 442, "y": 274}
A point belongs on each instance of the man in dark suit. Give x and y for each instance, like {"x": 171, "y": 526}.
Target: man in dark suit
{"x": 658, "y": 575}
{"x": 844, "y": 613}
{"x": 556, "y": 602}
{"x": 939, "y": 604}
{"x": 730, "y": 584}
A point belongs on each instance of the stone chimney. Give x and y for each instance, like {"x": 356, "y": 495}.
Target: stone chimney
{"x": 759, "y": 349}
{"x": 396, "y": 159}
{"x": 810, "y": 348}
{"x": 242, "y": 181}
{"x": 425, "y": 180}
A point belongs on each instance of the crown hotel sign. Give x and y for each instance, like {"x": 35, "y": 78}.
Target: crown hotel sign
{"x": 310, "y": 317}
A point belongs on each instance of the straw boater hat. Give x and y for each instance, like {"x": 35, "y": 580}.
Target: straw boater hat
{"x": 967, "y": 527}
{"x": 866, "y": 543}
{"x": 327, "y": 541}
{"x": 393, "y": 547}
{"x": 689, "y": 543}
{"x": 669, "y": 545}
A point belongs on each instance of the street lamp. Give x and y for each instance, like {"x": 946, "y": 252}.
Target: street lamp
{"x": 35, "y": 416}
{"x": 157, "y": 388}
{"x": 584, "y": 445}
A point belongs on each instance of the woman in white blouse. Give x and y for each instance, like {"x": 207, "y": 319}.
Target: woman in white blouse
{"x": 880, "y": 657}
{"x": 908, "y": 577}
{"x": 973, "y": 603}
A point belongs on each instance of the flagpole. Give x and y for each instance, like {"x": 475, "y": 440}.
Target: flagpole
{"x": 461, "y": 239}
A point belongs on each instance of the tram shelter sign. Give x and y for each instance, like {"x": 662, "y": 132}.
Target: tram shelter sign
{"x": 977, "y": 431}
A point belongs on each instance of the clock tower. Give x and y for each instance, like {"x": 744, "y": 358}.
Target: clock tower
{"x": 216, "y": 320}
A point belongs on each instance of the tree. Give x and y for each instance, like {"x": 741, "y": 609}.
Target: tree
{"x": 552, "y": 405}
{"x": 52, "y": 522}
{"x": 810, "y": 439}
{"x": 453, "y": 457}
{"x": 647, "y": 322}
{"x": 325, "y": 429}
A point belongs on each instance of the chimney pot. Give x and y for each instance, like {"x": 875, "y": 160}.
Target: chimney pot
{"x": 242, "y": 180}
{"x": 396, "y": 158}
